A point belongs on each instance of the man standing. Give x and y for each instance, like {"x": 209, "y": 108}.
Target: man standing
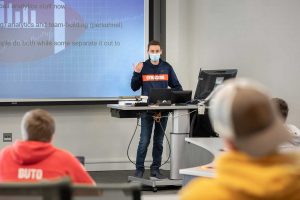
{"x": 153, "y": 73}
{"x": 35, "y": 158}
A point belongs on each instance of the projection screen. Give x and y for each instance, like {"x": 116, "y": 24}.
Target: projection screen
{"x": 70, "y": 50}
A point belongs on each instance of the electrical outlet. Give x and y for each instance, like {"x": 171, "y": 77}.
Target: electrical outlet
{"x": 7, "y": 137}
{"x": 201, "y": 108}
{"x": 81, "y": 159}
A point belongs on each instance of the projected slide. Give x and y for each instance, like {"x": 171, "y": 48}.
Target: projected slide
{"x": 70, "y": 49}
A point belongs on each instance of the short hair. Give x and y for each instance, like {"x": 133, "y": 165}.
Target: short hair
{"x": 38, "y": 125}
{"x": 282, "y": 106}
{"x": 153, "y": 42}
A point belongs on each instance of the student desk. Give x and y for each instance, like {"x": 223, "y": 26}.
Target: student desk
{"x": 210, "y": 146}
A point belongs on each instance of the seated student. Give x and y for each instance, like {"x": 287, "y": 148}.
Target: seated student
{"x": 35, "y": 158}
{"x": 252, "y": 168}
{"x": 283, "y": 109}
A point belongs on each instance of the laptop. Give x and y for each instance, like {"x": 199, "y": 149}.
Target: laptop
{"x": 160, "y": 96}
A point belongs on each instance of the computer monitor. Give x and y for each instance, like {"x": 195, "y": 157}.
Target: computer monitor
{"x": 181, "y": 97}
{"x": 209, "y": 79}
{"x": 160, "y": 96}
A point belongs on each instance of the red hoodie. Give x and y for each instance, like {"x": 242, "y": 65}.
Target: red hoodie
{"x": 34, "y": 161}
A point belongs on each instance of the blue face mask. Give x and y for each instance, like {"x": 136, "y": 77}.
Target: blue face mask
{"x": 154, "y": 57}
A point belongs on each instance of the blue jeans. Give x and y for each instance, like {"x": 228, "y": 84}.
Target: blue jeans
{"x": 146, "y": 131}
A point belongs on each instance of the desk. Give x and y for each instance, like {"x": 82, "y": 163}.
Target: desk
{"x": 180, "y": 130}
{"x": 214, "y": 147}
{"x": 210, "y": 146}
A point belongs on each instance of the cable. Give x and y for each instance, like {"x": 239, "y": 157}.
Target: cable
{"x": 137, "y": 124}
{"x": 164, "y": 131}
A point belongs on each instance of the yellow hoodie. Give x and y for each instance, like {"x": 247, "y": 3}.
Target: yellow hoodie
{"x": 241, "y": 177}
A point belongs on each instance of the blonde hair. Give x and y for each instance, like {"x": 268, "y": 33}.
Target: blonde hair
{"x": 38, "y": 125}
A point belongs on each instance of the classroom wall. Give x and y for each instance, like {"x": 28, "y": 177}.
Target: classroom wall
{"x": 260, "y": 38}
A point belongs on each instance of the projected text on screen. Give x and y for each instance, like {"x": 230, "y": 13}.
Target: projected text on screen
{"x": 69, "y": 48}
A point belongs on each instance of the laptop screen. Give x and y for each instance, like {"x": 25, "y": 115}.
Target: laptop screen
{"x": 159, "y": 96}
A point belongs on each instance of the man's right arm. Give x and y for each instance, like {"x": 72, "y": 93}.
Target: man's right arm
{"x": 136, "y": 80}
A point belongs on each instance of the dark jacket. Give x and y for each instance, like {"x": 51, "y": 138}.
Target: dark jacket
{"x": 155, "y": 76}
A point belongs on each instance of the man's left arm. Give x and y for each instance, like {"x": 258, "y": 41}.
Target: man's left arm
{"x": 77, "y": 172}
{"x": 173, "y": 80}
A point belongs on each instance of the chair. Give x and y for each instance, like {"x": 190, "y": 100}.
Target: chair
{"x": 44, "y": 190}
{"x": 63, "y": 190}
{"x": 123, "y": 191}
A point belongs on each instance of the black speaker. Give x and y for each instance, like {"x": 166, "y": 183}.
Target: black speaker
{"x": 201, "y": 126}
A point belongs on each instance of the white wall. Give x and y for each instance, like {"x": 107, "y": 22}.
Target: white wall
{"x": 177, "y": 50}
{"x": 258, "y": 37}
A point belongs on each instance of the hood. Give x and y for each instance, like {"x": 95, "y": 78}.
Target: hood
{"x": 267, "y": 177}
{"x": 30, "y": 152}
